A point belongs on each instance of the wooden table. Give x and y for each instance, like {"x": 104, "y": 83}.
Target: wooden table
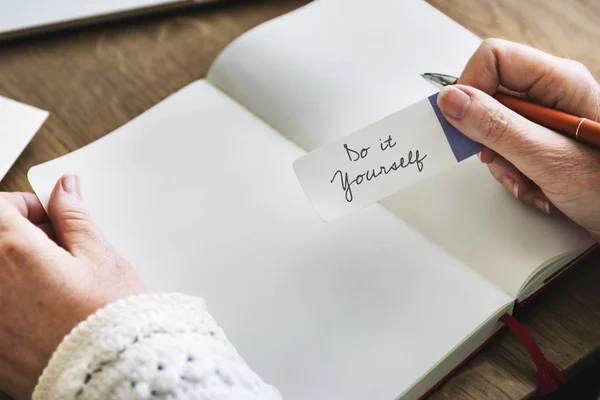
{"x": 95, "y": 79}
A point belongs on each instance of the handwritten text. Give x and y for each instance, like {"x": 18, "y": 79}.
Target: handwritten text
{"x": 346, "y": 181}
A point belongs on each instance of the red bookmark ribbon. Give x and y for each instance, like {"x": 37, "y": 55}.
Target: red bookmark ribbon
{"x": 549, "y": 376}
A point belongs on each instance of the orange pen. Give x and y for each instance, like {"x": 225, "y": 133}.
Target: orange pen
{"x": 578, "y": 128}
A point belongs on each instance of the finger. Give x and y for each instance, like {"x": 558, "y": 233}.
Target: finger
{"x": 536, "y": 198}
{"x": 28, "y": 205}
{"x": 548, "y": 80}
{"x": 508, "y": 175}
{"x": 502, "y": 89}
{"x": 47, "y": 228}
{"x": 10, "y": 218}
{"x": 487, "y": 155}
{"x": 72, "y": 224}
{"x": 14, "y": 224}
{"x": 534, "y": 150}
{"x": 519, "y": 185}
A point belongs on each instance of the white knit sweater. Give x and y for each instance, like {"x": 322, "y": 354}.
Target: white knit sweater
{"x": 150, "y": 347}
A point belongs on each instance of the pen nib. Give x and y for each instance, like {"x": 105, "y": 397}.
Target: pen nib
{"x": 439, "y": 80}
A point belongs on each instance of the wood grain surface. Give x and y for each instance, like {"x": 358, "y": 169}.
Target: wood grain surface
{"x": 95, "y": 79}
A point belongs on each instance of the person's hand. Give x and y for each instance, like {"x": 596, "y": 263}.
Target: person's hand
{"x": 54, "y": 272}
{"x": 541, "y": 167}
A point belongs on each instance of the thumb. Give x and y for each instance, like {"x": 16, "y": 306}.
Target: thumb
{"x": 72, "y": 223}
{"x": 531, "y": 148}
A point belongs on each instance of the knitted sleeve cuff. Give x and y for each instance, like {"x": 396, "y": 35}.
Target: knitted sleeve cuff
{"x": 150, "y": 346}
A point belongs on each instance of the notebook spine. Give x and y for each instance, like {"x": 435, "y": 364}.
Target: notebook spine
{"x": 558, "y": 275}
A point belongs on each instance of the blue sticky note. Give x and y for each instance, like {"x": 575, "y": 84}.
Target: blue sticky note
{"x": 461, "y": 146}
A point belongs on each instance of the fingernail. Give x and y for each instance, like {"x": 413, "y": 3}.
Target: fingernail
{"x": 542, "y": 204}
{"x": 479, "y": 156}
{"x": 70, "y": 184}
{"x": 453, "y": 102}
{"x": 511, "y": 185}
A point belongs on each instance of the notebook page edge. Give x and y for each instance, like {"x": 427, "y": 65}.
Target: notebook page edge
{"x": 461, "y": 352}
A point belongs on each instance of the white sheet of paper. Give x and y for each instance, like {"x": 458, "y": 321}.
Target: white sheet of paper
{"x": 28, "y": 14}
{"x": 18, "y": 124}
{"x": 201, "y": 197}
{"x": 375, "y": 162}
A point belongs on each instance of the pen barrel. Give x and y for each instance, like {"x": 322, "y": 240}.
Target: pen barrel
{"x": 589, "y": 132}
{"x": 581, "y": 129}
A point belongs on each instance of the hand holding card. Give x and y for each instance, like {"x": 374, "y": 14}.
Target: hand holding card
{"x": 381, "y": 159}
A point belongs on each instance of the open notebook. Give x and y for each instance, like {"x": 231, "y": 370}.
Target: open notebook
{"x": 199, "y": 193}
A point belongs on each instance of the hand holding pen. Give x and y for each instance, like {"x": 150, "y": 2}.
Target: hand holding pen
{"x": 541, "y": 167}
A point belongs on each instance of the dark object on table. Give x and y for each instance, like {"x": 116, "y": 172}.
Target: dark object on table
{"x": 583, "y": 381}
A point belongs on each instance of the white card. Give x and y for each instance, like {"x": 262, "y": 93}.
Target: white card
{"x": 18, "y": 124}
{"x": 381, "y": 159}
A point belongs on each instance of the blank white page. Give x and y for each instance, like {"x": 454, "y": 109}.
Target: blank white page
{"x": 201, "y": 197}
{"x": 335, "y": 66}
{"x": 479, "y": 222}
{"x": 18, "y": 124}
